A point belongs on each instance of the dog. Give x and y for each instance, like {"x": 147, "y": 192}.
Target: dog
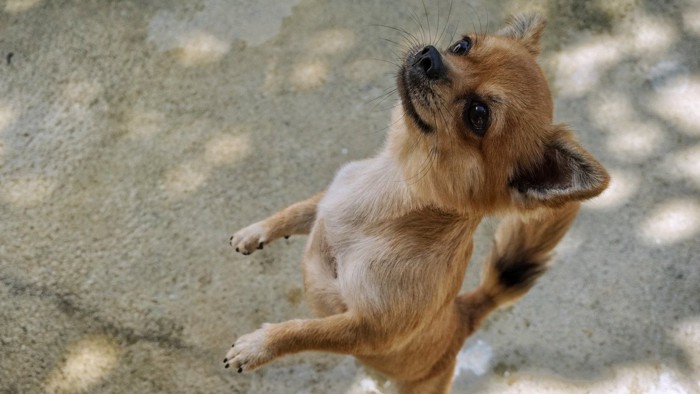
{"x": 391, "y": 237}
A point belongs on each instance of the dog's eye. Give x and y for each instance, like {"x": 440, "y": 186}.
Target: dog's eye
{"x": 477, "y": 117}
{"x": 462, "y": 46}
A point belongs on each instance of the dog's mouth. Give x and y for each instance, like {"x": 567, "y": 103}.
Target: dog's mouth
{"x": 421, "y": 70}
{"x": 406, "y": 89}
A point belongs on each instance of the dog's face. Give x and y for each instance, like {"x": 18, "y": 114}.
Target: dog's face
{"x": 479, "y": 119}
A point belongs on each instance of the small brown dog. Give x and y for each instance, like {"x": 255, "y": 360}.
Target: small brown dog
{"x": 391, "y": 238}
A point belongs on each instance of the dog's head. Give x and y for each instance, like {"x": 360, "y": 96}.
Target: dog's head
{"x": 478, "y": 126}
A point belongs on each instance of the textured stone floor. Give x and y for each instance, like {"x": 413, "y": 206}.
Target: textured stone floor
{"x": 135, "y": 136}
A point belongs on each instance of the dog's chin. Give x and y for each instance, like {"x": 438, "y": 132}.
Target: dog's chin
{"x": 409, "y": 86}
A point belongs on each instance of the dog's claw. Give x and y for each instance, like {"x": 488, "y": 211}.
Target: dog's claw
{"x": 260, "y": 245}
{"x": 226, "y": 366}
{"x": 240, "y": 369}
{"x": 286, "y": 237}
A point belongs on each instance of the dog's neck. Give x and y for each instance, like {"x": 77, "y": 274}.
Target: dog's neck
{"x": 415, "y": 166}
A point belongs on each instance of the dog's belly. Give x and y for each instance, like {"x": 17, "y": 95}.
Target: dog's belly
{"x": 337, "y": 276}
{"x": 320, "y": 275}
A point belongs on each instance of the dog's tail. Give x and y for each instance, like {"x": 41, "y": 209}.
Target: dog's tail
{"x": 521, "y": 251}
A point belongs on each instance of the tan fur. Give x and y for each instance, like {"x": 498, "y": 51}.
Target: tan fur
{"x": 391, "y": 238}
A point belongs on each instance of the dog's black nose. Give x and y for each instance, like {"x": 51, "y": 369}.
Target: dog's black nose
{"x": 430, "y": 62}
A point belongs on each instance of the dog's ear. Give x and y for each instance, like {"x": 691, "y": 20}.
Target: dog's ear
{"x": 564, "y": 172}
{"x": 527, "y": 29}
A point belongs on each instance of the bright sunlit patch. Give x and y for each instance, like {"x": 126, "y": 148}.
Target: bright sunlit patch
{"x": 226, "y": 149}
{"x": 667, "y": 384}
{"x": 86, "y": 363}
{"x": 26, "y": 191}
{"x": 673, "y": 221}
{"x": 332, "y": 41}
{"x": 611, "y": 109}
{"x": 200, "y": 48}
{"x": 651, "y": 36}
{"x": 17, "y": 6}
{"x": 364, "y": 384}
{"x": 691, "y": 21}
{"x": 677, "y": 102}
{"x": 144, "y": 123}
{"x": 82, "y": 92}
{"x": 686, "y": 335}
{"x": 185, "y": 178}
{"x": 579, "y": 68}
{"x": 623, "y": 185}
{"x": 475, "y": 358}
{"x": 254, "y": 22}
{"x": 273, "y": 77}
{"x": 368, "y": 385}
{"x": 7, "y": 116}
{"x": 309, "y": 75}
{"x": 634, "y": 140}
{"x": 669, "y": 76}
{"x": 627, "y": 378}
{"x": 688, "y": 163}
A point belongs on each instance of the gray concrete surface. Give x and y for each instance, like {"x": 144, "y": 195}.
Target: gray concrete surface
{"x": 136, "y": 136}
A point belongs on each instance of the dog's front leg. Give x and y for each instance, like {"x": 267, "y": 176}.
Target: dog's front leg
{"x": 342, "y": 333}
{"x": 295, "y": 219}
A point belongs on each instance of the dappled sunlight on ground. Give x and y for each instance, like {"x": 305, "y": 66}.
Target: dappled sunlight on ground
{"x": 630, "y": 379}
{"x": 691, "y": 21}
{"x": 313, "y": 62}
{"x": 143, "y": 123}
{"x": 309, "y": 75}
{"x": 86, "y": 363}
{"x": 636, "y": 140}
{"x": 198, "y": 48}
{"x": 206, "y": 35}
{"x": 672, "y": 221}
{"x": 623, "y": 186}
{"x": 6, "y": 117}
{"x": 24, "y": 191}
{"x": 685, "y": 163}
{"x": 220, "y": 150}
{"x": 686, "y": 334}
{"x": 226, "y": 149}
{"x": 135, "y": 136}
{"x": 677, "y": 102}
{"x": 18, "y": 6}
{"x": 82, "y": 92}
{"x": 650, "y": 36}
{"x": 474, "y": 358}
{"x": 579, "y": 68}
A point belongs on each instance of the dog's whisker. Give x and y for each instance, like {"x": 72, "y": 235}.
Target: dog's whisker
{"x": 447, "y": 22}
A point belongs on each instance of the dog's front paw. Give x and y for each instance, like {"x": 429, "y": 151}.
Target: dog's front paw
{"x": 249, "y": 239}
{"x": 249, "y": 352}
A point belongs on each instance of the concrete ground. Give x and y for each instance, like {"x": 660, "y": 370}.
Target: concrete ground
{"x": 136, "y": 136}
